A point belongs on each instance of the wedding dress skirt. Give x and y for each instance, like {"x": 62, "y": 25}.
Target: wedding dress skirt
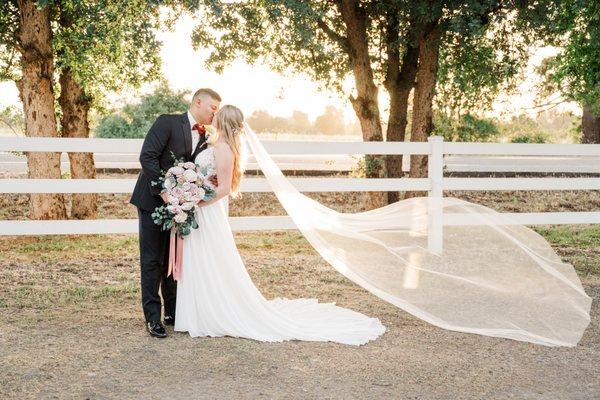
{"x": 216, "y": 296}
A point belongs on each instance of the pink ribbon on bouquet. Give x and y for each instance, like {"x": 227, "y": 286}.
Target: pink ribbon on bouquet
{"x": 175, "y": 255}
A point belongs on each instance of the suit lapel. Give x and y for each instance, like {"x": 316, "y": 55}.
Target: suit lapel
{"x": 186, "y": 130}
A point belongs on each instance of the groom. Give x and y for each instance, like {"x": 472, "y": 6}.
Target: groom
{"x": 185, "y": 136}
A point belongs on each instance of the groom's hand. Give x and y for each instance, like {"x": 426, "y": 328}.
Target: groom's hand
{"x": 164, "y": 197}
{"x": 213, "y": 180}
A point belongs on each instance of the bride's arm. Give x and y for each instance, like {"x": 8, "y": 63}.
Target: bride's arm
{"x": 224, "y": 163}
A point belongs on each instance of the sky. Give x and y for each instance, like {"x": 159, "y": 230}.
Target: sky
{"x": 255, "y": 87}
{"x": 246, "y": 86}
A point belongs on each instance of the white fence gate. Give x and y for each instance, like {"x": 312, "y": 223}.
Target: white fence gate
{"x": 434, "y": 184}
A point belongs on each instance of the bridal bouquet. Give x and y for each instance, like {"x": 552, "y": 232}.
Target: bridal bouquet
{"x": 185, "y": 185}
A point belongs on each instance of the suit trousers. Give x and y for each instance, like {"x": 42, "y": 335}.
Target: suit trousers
{"x": 154, "y": 258}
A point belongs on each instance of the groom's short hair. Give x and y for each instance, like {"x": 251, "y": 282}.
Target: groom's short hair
{"x": 206, "y": 92}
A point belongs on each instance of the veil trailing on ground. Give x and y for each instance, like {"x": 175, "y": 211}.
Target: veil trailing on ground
{"x": 493, "y": 277}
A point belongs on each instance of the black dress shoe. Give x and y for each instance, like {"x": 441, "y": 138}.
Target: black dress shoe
{"x": 156, "y": 329}
{"x": 169, "y": 320}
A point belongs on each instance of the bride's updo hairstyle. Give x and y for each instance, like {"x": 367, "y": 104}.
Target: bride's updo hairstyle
{"x": 229, "y": 122}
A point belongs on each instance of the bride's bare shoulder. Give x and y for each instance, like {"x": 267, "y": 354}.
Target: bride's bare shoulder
{"x": 223, "y": 151}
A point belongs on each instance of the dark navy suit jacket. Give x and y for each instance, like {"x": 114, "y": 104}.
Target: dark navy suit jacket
{"x": 169, "y": 133}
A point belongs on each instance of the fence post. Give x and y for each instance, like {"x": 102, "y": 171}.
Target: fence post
{"x": 435, "y": 173}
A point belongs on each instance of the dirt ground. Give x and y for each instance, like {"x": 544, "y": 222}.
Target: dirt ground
{"x": 71, "y": 327}
{"x": 71, "y": 323}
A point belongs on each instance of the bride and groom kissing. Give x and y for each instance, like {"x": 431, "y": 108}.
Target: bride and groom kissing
{"x": 214, "y": 295}
{"x": 473, "y": 285}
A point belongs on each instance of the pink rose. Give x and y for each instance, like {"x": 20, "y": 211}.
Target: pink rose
{"x": 177, "y": 192}
{"x": 176, "y": 170}
{"x": 174, "y": 209}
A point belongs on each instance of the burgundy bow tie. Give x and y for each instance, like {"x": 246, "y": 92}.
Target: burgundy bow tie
{"x": 201, "y": 129}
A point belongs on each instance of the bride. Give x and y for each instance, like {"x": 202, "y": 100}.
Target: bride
{"x": 492, "y": 275}
{"x": 215, "y": 294}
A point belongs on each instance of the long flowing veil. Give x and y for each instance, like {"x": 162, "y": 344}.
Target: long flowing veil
{"x": 494, "y": 276}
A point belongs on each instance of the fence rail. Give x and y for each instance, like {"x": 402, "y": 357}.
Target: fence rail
{"x": 434, "y": 184}
{"x": 327, "y": 163}
{"x": 123, "y": 154}
{"x": 121, "y": 146}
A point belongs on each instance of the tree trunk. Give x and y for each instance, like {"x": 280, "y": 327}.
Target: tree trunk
{"x": 400, "y": 79}
{"x": 365, "y": 103}
{"x": 422, "y": 118}
{"x": 37, "y": 95}
{"x": 590, "y": 125}
{"x": 75, "y": 107}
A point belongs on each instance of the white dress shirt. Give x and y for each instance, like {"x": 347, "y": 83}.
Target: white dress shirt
{"x": 195, "y": 134}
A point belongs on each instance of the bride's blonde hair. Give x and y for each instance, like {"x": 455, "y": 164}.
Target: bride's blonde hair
{"x": 229, "y": 122}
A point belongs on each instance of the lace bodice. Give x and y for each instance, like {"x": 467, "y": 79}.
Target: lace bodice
{"x": 206, "y": 165}
{"x": 205, "y": 161}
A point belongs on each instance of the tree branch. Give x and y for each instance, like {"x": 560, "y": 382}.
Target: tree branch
{"x": 10, "y": 126}
{"x": 5, "y": 75}
{"x": 392, "y": 36}
{"x": 552, "y": 103}
{"x": 336, "y": 37}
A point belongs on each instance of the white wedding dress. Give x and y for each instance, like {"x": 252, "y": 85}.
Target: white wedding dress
{"x": 216, "y": 296}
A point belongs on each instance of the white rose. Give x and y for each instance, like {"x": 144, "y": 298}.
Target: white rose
{"x": 174, "y": 209}
{"x": 181, "y": 217}
{"x": 173, "y": 200}
{"x": 201, "y": 193}
{"x": 190, "y": 175}
{"x": 188, "y": 205}
{"x": 169, "y": 183}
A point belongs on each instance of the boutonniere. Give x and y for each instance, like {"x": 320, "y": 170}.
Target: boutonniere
{"x": 210, "y": 130}
{"x": 211, "y": 134}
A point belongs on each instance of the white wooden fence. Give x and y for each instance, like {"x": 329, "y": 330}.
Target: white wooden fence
{"x": 434, "y": 184}
{"x": 340, "y": 163}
